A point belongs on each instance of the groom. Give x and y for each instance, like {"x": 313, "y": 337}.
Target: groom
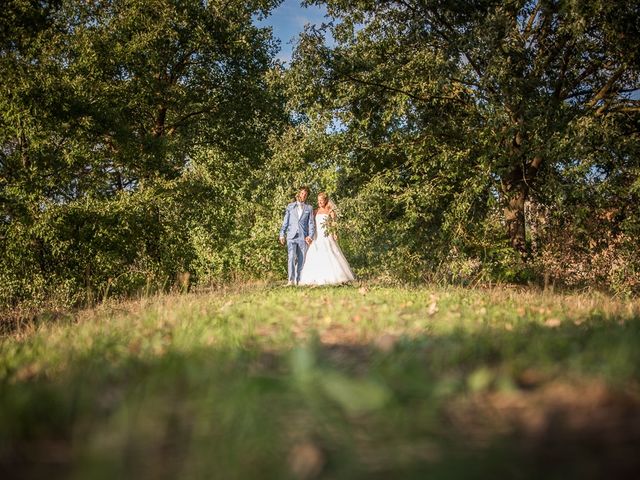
{"x": 298, "y": 229}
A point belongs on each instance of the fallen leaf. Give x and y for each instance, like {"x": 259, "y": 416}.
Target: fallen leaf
{"x": 552, "y": 322}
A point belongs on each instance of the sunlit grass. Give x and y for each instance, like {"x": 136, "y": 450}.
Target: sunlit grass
{"x": 345, "y": 382}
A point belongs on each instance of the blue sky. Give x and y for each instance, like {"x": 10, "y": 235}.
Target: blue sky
{"x": 288, "y": 20}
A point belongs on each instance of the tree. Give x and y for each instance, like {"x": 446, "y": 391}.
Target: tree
{"x": 505, "y": 89}
{"x": 106, "y": 108}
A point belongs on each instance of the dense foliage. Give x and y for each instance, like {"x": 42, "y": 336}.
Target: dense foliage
{"x": 130, "y": 134}
{"x": 482, "y": 138}
{"x": 146, "y": 144}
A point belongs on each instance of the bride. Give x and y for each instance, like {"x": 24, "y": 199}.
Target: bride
{"x": 324, "y": 262}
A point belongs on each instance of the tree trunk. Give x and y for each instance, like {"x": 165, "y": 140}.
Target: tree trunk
{"x": 23, "y": 145}
{"x": 158, "y": 128}
{"x": 516, "y": 192}
{"x": 514, "y": 217}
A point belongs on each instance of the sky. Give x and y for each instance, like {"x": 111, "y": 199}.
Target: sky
{"x": 288, "y": 20}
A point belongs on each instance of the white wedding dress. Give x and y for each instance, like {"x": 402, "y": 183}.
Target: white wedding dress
{"x": 324, "y": 262}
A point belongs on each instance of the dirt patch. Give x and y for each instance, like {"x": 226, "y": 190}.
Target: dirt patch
{"x": 558, "y": 424}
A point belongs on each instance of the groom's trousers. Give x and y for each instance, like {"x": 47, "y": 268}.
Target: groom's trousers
{"x": 296, "y": 250}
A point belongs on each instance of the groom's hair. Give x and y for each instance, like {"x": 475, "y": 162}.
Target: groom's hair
{"x": 297, "y": 195}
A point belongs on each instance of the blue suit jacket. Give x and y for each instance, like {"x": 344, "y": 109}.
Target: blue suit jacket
{"x": 303, "y": 225}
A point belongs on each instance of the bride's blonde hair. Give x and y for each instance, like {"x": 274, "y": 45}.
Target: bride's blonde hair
{"x": 330, "y": 205}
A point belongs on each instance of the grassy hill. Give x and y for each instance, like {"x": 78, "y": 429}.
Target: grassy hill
{"x": 341, "y": 382}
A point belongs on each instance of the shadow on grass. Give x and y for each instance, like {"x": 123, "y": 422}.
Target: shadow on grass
{"x": 533, "y": 402}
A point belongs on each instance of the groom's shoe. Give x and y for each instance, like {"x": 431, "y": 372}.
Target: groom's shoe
{"x": 291, "y": 283}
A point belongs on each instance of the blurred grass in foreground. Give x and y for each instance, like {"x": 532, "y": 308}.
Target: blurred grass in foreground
{"x": 340, "y": 383}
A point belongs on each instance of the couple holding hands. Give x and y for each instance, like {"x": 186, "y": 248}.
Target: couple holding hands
{"x": 314, "y": 255}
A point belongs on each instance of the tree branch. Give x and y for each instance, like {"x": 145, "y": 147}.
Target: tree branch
{"x": 398, "y": 90}
{"x": 532, "y": 19}
{"x": 174, "y": 126}
{"x": 607, "y": 86}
